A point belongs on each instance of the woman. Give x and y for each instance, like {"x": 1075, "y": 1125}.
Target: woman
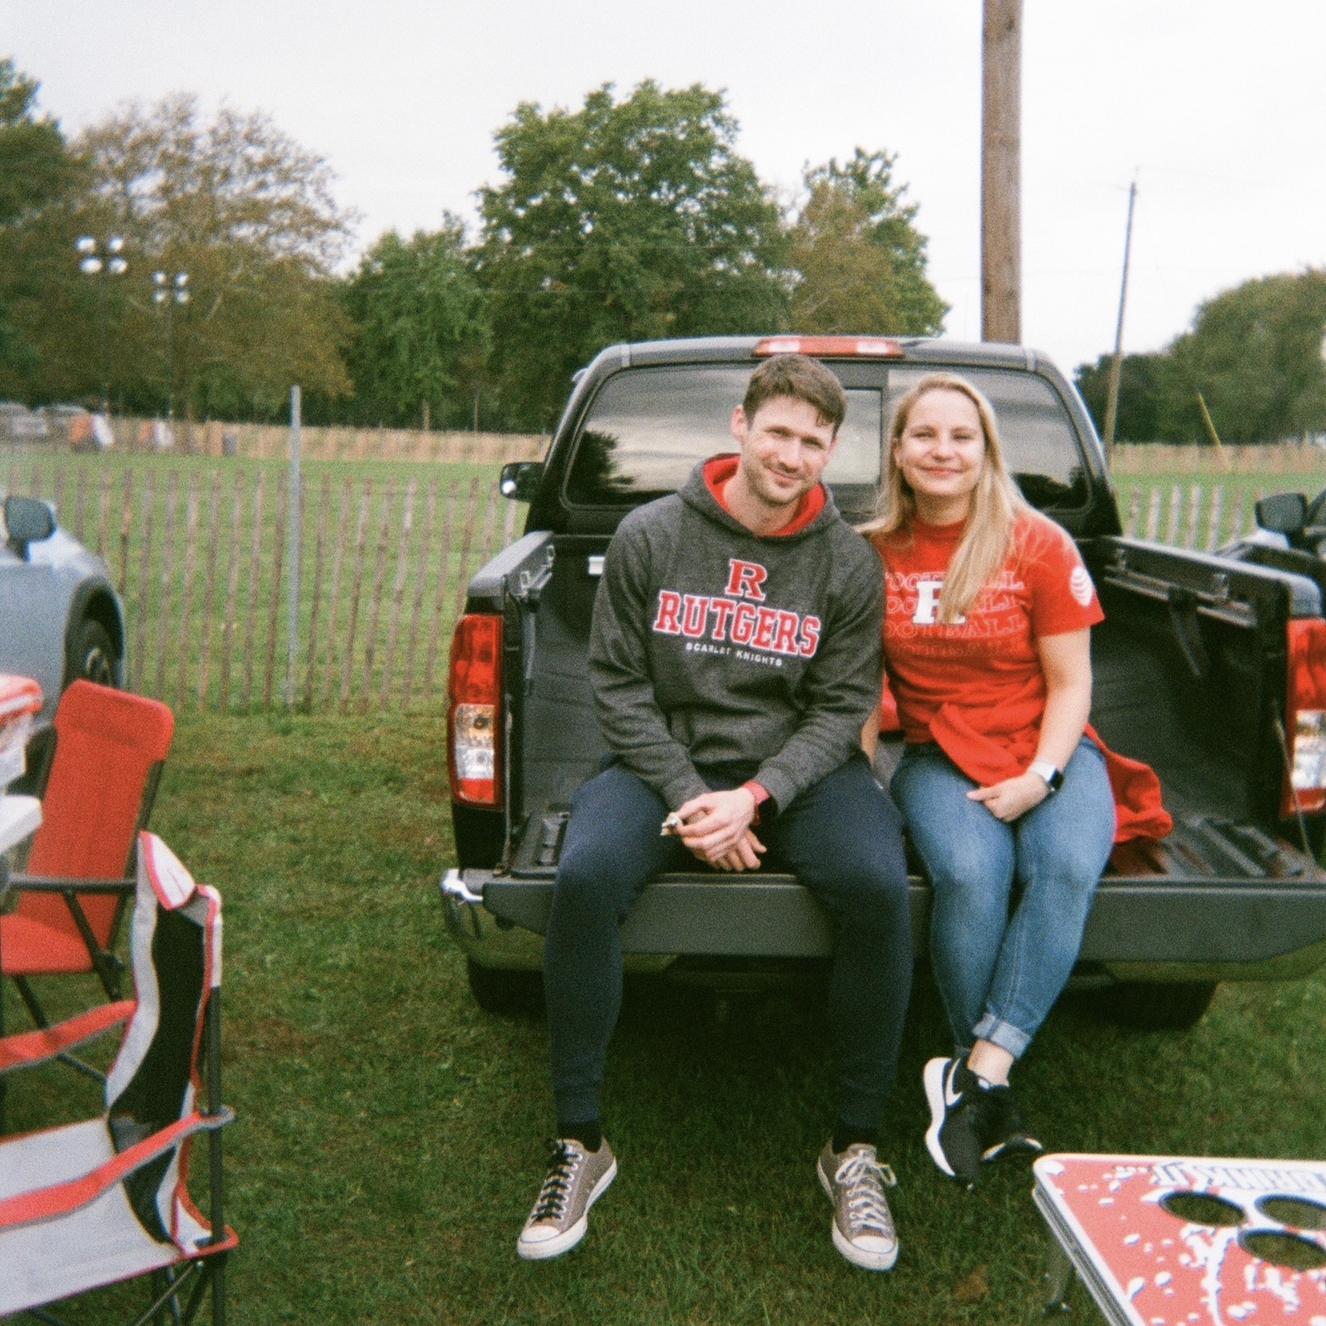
{"x": 986, "y": 644}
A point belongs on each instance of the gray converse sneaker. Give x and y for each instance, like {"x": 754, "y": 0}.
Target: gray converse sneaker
{"x": 576, "y": 1179}
{"x": 862, "y": 1224}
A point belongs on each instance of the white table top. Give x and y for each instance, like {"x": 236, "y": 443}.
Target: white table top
{"x": 19, "y": 817}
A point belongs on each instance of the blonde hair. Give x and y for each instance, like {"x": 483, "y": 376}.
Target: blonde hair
{"x": 996, "y": 502}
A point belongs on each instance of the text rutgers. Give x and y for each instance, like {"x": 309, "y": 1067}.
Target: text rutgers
{"x": 744, "y": 620}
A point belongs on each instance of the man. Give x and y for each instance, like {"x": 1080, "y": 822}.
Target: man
{"x": 735, "y": 655}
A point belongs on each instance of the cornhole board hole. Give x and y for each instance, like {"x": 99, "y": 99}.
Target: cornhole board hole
{"x": 1187, "y": 1240}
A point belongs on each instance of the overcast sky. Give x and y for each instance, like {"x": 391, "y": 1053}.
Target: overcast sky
{"x": 1217, "y": 108}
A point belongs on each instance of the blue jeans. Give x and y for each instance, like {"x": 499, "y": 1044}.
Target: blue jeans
{"x": 999, "y": 975}
{"x": 842, "y": 838}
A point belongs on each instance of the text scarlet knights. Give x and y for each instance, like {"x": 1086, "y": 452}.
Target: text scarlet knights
{"x": 738, "y": 615}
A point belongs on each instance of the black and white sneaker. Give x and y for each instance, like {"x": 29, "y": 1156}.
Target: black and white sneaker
{"x": 962, "y": 1114}
{"x": 576, "y": 1179}
{"x": 1007, "y": 1135}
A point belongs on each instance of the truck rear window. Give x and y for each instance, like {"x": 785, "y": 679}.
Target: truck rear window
{"x": 646, "y": 428}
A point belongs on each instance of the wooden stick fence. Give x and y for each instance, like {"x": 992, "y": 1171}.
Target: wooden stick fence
{"x": 199, "y": 559}
{"x": 200, "y": 562}
{"x": 1201, "y": 515}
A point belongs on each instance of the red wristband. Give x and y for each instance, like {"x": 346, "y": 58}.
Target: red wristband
{"x": 761, "y": 795}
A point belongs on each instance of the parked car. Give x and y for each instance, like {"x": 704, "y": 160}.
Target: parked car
{"x": 60, "y": 617}
{"x": 19, "y": 424}
{"x": 1288, "y": 521}
{"x": 1290, "y": 537}
{"x": 75, "y": 426}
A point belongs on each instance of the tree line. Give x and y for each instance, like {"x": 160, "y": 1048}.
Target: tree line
{"x": 1251, "y": 369}
{"x": 172, "y": 261}
{"x": 213, "y": 261}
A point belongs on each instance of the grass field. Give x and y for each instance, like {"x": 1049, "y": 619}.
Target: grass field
{"x": 389, "y": 1139}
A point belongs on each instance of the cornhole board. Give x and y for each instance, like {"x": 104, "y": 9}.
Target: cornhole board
{"x": 1187, "y": 1240}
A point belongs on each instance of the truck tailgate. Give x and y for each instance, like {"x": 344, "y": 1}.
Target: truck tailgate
{"x": 1213, "y": 894}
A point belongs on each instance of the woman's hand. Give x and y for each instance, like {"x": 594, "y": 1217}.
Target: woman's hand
{"x": 1013, "y": 797}
{"x": 1066, "y": 662}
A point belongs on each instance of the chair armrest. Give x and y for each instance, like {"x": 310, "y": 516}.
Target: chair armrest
{"x": 21, "y": 883}
{"x": 29, "y": 1048}
{"x": 27, "y": 1208}
{"x": 70, "y": 889}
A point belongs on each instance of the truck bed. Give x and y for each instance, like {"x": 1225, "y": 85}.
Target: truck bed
{"x": 1220, "y": 892}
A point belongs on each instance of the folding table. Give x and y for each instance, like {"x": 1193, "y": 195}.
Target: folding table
{"x": 1187, "y": 1240}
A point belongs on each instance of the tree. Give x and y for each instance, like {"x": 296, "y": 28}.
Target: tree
{"x": 35, "y": 165}
{"x": 1255, "y": 355}
{"x": 1143, "y": 383}
{"x": 624, "y": 220}
{"x": 420, "y": 328}
{"x": 35, "y": 169}
{"x": 236, "y": 204}
{"x": 859, "y": 260}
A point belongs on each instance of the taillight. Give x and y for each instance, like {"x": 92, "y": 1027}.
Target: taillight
{"x": 474, "y": 710}
{"x": 1305, "y": 718}
{"x": 832, "y": 347}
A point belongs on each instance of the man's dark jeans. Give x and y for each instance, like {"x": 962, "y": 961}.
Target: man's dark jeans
{"x": 841, "y": 838}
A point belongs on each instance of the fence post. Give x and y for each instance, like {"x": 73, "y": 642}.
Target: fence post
{"x": 1174, "y": 529}
{"x": 1134, "y": 512}
{"x": 1194, "y": 515}
{"x": 295, "y": 532}
{"x": 1213, "y": 526}
{"x": 1153, "y": 516}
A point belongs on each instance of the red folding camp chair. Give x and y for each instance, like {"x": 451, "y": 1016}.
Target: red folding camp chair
{"x": 92, "y": 1203}
{"x": 109, "y": 751}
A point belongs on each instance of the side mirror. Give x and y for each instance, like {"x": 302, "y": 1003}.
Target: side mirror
{"x": 28, "y": 520}
{"x": 520, "y": 480}
{"x": 1285, "y": 513}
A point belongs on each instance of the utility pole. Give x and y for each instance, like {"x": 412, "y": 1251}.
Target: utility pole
{"x": 1116, "y": 364}
{"x": 1001, "y": 150}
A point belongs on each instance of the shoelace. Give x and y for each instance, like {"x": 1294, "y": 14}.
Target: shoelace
{"x": 563, "y": 1161}
{"x": 865, "y": 1179}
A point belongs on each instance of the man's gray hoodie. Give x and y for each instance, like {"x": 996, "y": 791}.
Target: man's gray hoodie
{"x": 712, "y": 645}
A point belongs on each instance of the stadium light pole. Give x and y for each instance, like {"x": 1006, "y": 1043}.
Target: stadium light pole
{"x": 102, "y": 259}
{"x": 167, "y": 292}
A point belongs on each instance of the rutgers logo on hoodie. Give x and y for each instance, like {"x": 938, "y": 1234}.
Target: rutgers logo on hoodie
{"x": 739, "y": 616}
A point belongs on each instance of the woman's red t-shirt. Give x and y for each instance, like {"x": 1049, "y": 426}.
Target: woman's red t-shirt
{"x": 977, "y": 686}
{"x": 988, "y": 659}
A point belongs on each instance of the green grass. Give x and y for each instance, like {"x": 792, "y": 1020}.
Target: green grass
{"x": 389, "y": 1139}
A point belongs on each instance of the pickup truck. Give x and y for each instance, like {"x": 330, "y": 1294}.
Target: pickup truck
{"x": 1290, "y": 533}
{"x": 1211, "y": 669}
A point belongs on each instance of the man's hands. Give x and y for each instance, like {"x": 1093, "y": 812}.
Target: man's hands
{"x": 1013, "y": 797}
{"x": 716, "y": 829}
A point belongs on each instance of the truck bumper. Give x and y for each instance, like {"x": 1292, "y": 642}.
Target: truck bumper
{"x": 1138, "y": 930}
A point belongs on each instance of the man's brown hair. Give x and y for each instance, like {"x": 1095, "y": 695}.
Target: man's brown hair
{"x": 802, "y": 378}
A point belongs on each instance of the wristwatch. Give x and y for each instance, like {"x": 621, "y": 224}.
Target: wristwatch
{"x": 1052, "y": 775}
